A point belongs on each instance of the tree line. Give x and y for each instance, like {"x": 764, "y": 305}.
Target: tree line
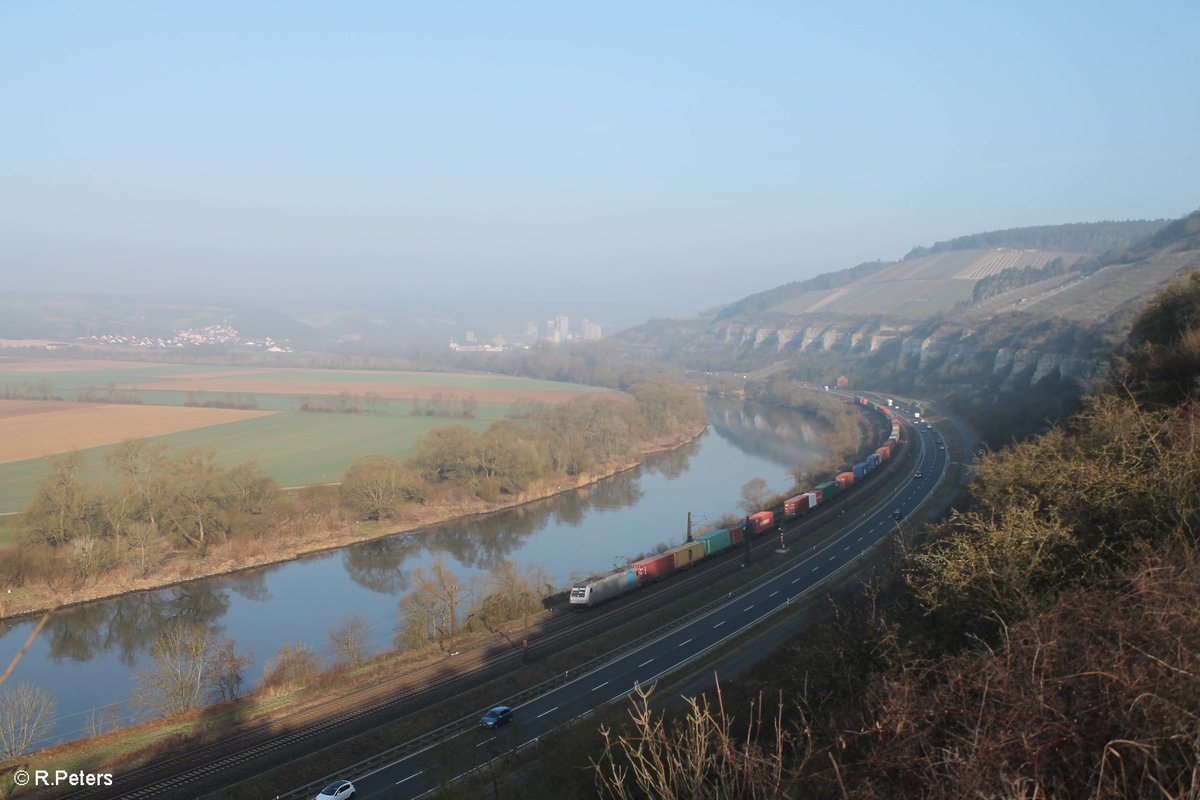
{"x": 157, "y": 502}
{"x": 454, "y": 463}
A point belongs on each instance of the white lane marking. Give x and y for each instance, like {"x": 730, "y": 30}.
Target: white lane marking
{"x": 601, "y": 686}
{"x": 747, "y": 608}
{"x": 860, "y": 538}
{"x": 815, "y": 569}
{"x": 719, "y": 624}
{"x": 544, "y": 713}
{"x": 409, "y": 778}
{"x": 831, "y": 558}
{"x": 644, "y": 663}
{"x": 772, "y": 594}
{"x": 797, "y": 580}
{"x": 481, "y": 744}
{"x": 681, "y": 644}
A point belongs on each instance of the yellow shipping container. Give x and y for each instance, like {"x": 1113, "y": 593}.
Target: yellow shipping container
{"x": 687, "y": 554}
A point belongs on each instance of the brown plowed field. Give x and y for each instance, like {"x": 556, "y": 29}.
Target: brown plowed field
{"x": 36, "y": 428}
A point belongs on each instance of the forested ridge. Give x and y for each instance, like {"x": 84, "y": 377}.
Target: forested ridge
{"x": 1085, "y": 237}
{"x": 1038, "y": 643}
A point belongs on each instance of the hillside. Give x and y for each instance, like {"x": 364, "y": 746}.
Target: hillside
{"x": 954, "y": 321}
{"x": 1037, "y": 643}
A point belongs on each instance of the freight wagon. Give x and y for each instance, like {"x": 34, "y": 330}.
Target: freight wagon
{"x": 647, "y": 570}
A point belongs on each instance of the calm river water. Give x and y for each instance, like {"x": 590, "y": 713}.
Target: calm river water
{"x": 88, "y": 657}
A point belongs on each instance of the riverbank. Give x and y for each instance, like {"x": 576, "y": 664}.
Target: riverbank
{"x": 305, "y": 538}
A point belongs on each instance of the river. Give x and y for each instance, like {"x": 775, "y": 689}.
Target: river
{"x": 88, "y": 656}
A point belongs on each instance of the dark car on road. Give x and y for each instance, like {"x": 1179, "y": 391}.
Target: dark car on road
{"x": 500, "y": 715}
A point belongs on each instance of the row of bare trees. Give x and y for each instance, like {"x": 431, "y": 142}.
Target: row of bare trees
{"x": 562, "y": 439}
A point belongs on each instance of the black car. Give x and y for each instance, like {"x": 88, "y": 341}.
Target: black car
{"x": 897, "y": 514}
{"x": 500, "y": 715}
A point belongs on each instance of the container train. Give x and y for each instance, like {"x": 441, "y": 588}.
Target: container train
{"x": 597, "y": 589}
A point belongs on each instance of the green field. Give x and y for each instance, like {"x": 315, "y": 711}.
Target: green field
{"x": 295, "y": 448}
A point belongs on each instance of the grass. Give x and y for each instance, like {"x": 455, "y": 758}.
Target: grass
{"x": 294, "y": 448}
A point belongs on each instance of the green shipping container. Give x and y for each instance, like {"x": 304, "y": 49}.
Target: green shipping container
{"x": 830, "y": 488}
{"x": 714, "y": 542}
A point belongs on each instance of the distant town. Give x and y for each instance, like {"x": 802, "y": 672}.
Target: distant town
{"x": 555, "y": 331}
{"x": 193, "y": 337}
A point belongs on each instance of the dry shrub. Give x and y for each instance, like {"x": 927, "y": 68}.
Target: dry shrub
{"x": 293, "y": 666}
{"x": 32, "y": 563}
{"x": 1098, "y": 696}
{"x": 706, "y": 754}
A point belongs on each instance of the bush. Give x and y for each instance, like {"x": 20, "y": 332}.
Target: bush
{"x": 292, "y": 667}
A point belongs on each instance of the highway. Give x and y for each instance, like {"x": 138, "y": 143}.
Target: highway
{"x": 420, "y": 772}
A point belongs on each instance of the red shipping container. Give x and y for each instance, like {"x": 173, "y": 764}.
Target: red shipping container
{"x": 735, "y": 536}
{"x": 884, "y": 452}
{"x": 654, "y": 567}
{"x": 795, "y": 506}
{"x": 763, "y": 521}
{"x": 845, "y": 480}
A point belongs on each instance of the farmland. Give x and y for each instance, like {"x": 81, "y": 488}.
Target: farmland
{"x": 31, "y": 429}
{"x": 294, "y": 447}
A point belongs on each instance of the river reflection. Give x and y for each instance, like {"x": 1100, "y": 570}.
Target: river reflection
{"x": 87, "y": 656}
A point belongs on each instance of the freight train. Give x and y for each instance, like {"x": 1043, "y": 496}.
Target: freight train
{"x": 597, "y": 589}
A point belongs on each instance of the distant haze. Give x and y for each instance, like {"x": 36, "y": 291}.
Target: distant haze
{"x": 676, "y": 156}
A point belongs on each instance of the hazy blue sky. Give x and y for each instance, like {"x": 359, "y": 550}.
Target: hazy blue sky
{"x": 691, "y": 151}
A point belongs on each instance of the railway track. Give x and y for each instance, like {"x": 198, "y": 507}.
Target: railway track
{"x": 354, "y": 712}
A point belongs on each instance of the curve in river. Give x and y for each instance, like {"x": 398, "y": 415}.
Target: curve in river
{"x": 88, "y": 656}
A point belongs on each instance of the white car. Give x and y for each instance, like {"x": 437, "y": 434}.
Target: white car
{"x": 338, "y": 790}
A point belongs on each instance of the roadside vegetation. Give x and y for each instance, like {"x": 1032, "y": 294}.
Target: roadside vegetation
{"x": 1039, "y": 643}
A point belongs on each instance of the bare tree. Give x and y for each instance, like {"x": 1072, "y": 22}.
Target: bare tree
{"x": 26, "y": 715}
{"x": 102, "y": 720}
{"x": 375, "y": 487}
{"x": 144, "y": 539}
{"x": 180, "y": 674}
{"x": 349, "y": 642}
{"x": 755, "y": 494}
{"x": 228, "y": 671}
{"x": 430, "y": 613}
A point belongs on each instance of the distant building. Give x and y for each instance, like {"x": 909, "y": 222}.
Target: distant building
{"x": 591, "y": 331}
{"x": 470, "y": 336}
{"x": 531, "y": 329}
{"x": 564, "y": 327}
